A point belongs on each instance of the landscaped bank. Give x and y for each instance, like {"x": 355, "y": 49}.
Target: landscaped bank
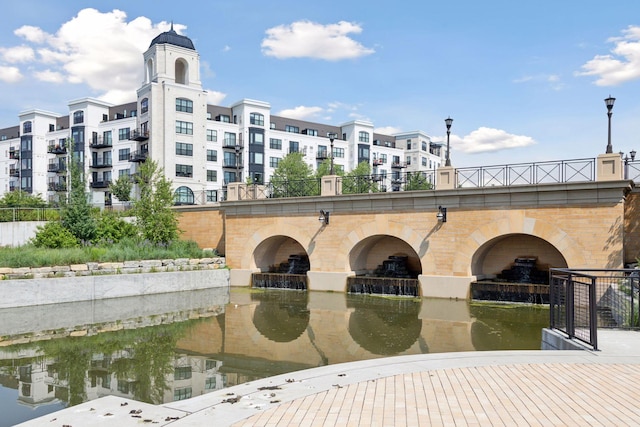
{"x": 91, "y": 281}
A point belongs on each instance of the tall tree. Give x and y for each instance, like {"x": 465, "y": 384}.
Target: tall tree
{"x": 157, "y": 222}
{"x": 121, "y": 188}
{"x": 294, "y": 178}
{"x": 359, "y": 180}
{"x": 76, "y": 213}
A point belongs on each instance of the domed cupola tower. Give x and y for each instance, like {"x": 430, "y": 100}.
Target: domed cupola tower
{"x": 172, "y": 111}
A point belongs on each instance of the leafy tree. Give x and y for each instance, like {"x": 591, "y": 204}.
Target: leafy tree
{"x": 15, "y": 199}
{"x": 53, "y": 235}
{"x": 112, "y": 229}
{"x": 76, "y": 213}
{"x": 324, "y": 169}
{"x": 294, "y": 178}
{"x": 155, "y": 219}
{"x": 417, "y": 181}
{"x": 121, "y": 188}
{"x": 359, "y": 180}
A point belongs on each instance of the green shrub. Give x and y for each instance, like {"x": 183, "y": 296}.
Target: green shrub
{"x": 112, "y": 229}
{"x": 53, "y": 235}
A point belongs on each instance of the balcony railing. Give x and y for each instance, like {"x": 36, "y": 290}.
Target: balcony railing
{"x": 232, "y": 164}
{"x": 232, "y": 144}
{"x": 101, "y": 184}
{"x": 322, "y": 154}
{"x": 100, "y": 142}
{"x": 57, "y": 167}
{"x": 560, "y": 171}
{"x": 57, "y": 186}
{"x": 14, "y": 172}
{"x": 138, "y": 156}
{"x": 56, "y": 149}
{"x": 14, "y": 154}
{"x": 377, "y": 162}
{"x": 101, "y": 164}
{"x": 398, "y": 165}
{"x": 139, "y": 135}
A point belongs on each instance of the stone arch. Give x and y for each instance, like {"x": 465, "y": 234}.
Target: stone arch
{"x": 381, "y": 226}
{"x": 182, "y": 71}
{"x": 570, "y": 250}
{"x": 270, "y": 237}
{"x": 372, "y": 251}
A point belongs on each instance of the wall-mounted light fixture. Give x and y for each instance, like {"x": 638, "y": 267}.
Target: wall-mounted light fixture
{"x": 442, "y": 214}
{"x": 324, "y": 217}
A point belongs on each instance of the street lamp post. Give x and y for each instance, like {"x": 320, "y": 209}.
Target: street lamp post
{"x": 448, "y": 121}
{"x": 632, "y": 153}
{"x": 331, "y": 136}
{"x": 609, "y": 102}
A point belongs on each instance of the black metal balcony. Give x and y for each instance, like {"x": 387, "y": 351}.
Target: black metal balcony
{"x": 138, "y": 156}
{"x": 322, "y": 154}
{"x": 56, "y": 149}
{"x": 232, "y": 165}
{"x": 231, "y": 144}
{"x": 377, "y": 162}
{"x": 13, "y": 186}
{"x": 57, "y": 167}
{"x": 14, "y": 172}
{"x": 101, "y": 164}
{"x": 57, "y": 186}
{"x": 14, "y": 154}
{"x": 398, "y": 165}
{"x": 100, "y": 142}
{"x": 139, "y": 135}
{"x": 100, "y": 184}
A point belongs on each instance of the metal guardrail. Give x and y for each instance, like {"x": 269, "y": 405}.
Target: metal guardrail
{"x": 582, "y": 301}
{"x": 558, "y": 171}
{"x": 29, "y": 214}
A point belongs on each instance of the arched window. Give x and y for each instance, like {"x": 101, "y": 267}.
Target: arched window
{"x": 256, "y": 119}
{"x": 26, "y": 127}
{"x": 363, "y": 136}
{"x": 144, "y": 105}
{"x": 183, "y": 196}
{"x": 182, "y": 71}
{"x": 148, "y": 71}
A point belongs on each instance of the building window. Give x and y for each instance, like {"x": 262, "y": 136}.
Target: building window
{"x": 212, "y": 195}
{"x": 184, "y": 196}
{"x": 229, "y": 139}
{"x": 144, "y": 105}
{"x": 212, "y": 155}
{"x": 212, "y": 135}
{"x": 424, "y": 161}
{"x": 124, "y": 172}
{"x": 184, "y": 149}
{"x": 273, "y": 162}
{"x": 272, "y": 125}
{"x": 338, "y": 152}
{"x": 184, "y": 127}
{"x": 210, "y": 383}
{"x": 182, "y": 393}
{"x": 182, "y": 373}
{"x": 256, "y": 138}
{"x": 424, "y": 146}
{"x": 408, "y": 144}
{"x": 78, "y": 117}
{"x": 311, "y": 132}
{"x": 294, "y": 146}
{"x": 26, "y": 127}
{"x": 408, "y": 160}
{"x": 106, "y": 138}
{"x": 184, "y": 171}
{"x": 123, "y": 154}
{"x": 123, "y": 134}
{"x": 363, "y": 136}
{"x": 223, "y": 118}
{"x": 256, "y": 119}
{"x": 184, "y": 105}
{"x": 256, "y": 158}
{"x": 212, "y": 175}
{"x": 383, "y": 158}
{"x": 275, "y": 144}
{"x": 292, "y": 129}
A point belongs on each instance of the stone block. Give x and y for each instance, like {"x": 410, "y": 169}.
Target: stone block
{"x": 150, "y": 263}
{"x": 79, "y": 267}
{"x": 60, "y": 268}
{"x": 131, "y": 264}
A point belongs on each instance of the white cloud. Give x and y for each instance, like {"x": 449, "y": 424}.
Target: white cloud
{"x": 10, "y": 74}
{"x": 621, "y": 65}
{"x": 215, "y": 97}
{"x": 306, "y": 39}
{"x": 49, "y": 76}
{"x": 387, "y": 130}
{"x": 17, "y": 54}
{"x": 484, "y": 140}
{"x": 301, "y": 112}
{"x": 552, "y": 80}
{"x": 101, "y": 50}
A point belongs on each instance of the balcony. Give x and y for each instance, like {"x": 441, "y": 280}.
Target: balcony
{"x": 14, "y": 154}
{"x": 101, "y": 164}
{"x": 398, "y": 165}
{"x": 377, "y": 162}
{"x": 232, "y": 165}
{"x": 99, "y": 142}
{"x": 57, "y": 167}
{"x": 56, "y": 149}
{"x": 57, "y": 186}
{"x": 14, "y": 172}
{"x": 322, "y": 154}
{"x": 13, "y": 186}
{"x": 139, "y": 135}
{"x": 100, "y": 184}
{"x": 138, "y": 156}
{"x": 231, "y": 144}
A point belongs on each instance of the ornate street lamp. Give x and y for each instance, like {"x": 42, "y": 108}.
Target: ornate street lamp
{"x": 609, "y": 101}
{"x": 448, "y": 122}
{"x": 331, "y": 136}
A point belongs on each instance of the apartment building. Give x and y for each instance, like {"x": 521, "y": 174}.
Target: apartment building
{"x": 200, "y": 147}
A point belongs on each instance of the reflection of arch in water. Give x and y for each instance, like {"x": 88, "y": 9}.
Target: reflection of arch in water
{"x": 281, "y": 316}
{"x": 384, "y": 326}
{"x": 372, "y": 251}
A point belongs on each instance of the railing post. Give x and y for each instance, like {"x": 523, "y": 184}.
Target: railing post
{"x": 570, "y": 301}
{"x": 593, "y": 318}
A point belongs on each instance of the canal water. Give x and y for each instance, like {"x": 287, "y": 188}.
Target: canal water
{"x": 169, "y": 347}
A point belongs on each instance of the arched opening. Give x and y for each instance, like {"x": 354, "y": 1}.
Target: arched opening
{"x": 183, "y": 196}
{"x": 182, "y": 71}
{"x": 148, "y": 71}
{"x": 283, "y": 263}
{"x": 514, "y": 267}
{"x": 384, "y": 264}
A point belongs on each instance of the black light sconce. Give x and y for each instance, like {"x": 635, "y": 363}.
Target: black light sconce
{"x": 324, "y": 217}
{"x": 442, "y": 214}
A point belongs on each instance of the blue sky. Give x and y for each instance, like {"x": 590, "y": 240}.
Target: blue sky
{"x": 523, "y": 81}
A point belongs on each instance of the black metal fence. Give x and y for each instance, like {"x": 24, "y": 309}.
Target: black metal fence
{"x": 558, "y": 171}
{"x": 582, "y": 301}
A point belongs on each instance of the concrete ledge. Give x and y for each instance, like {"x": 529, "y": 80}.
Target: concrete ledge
{"x": 556, "y": 340}
{"x": 22, "y": 293}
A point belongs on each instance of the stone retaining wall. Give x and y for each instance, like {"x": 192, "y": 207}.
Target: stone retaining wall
{"x": 104, "y": 268}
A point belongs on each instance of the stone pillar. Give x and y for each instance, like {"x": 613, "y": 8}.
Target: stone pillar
{"x": 446, "y": 178}
{"x": 330, "y": 185}
{"x": 609, "y": 167}
{"x": 233, "y": 191}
